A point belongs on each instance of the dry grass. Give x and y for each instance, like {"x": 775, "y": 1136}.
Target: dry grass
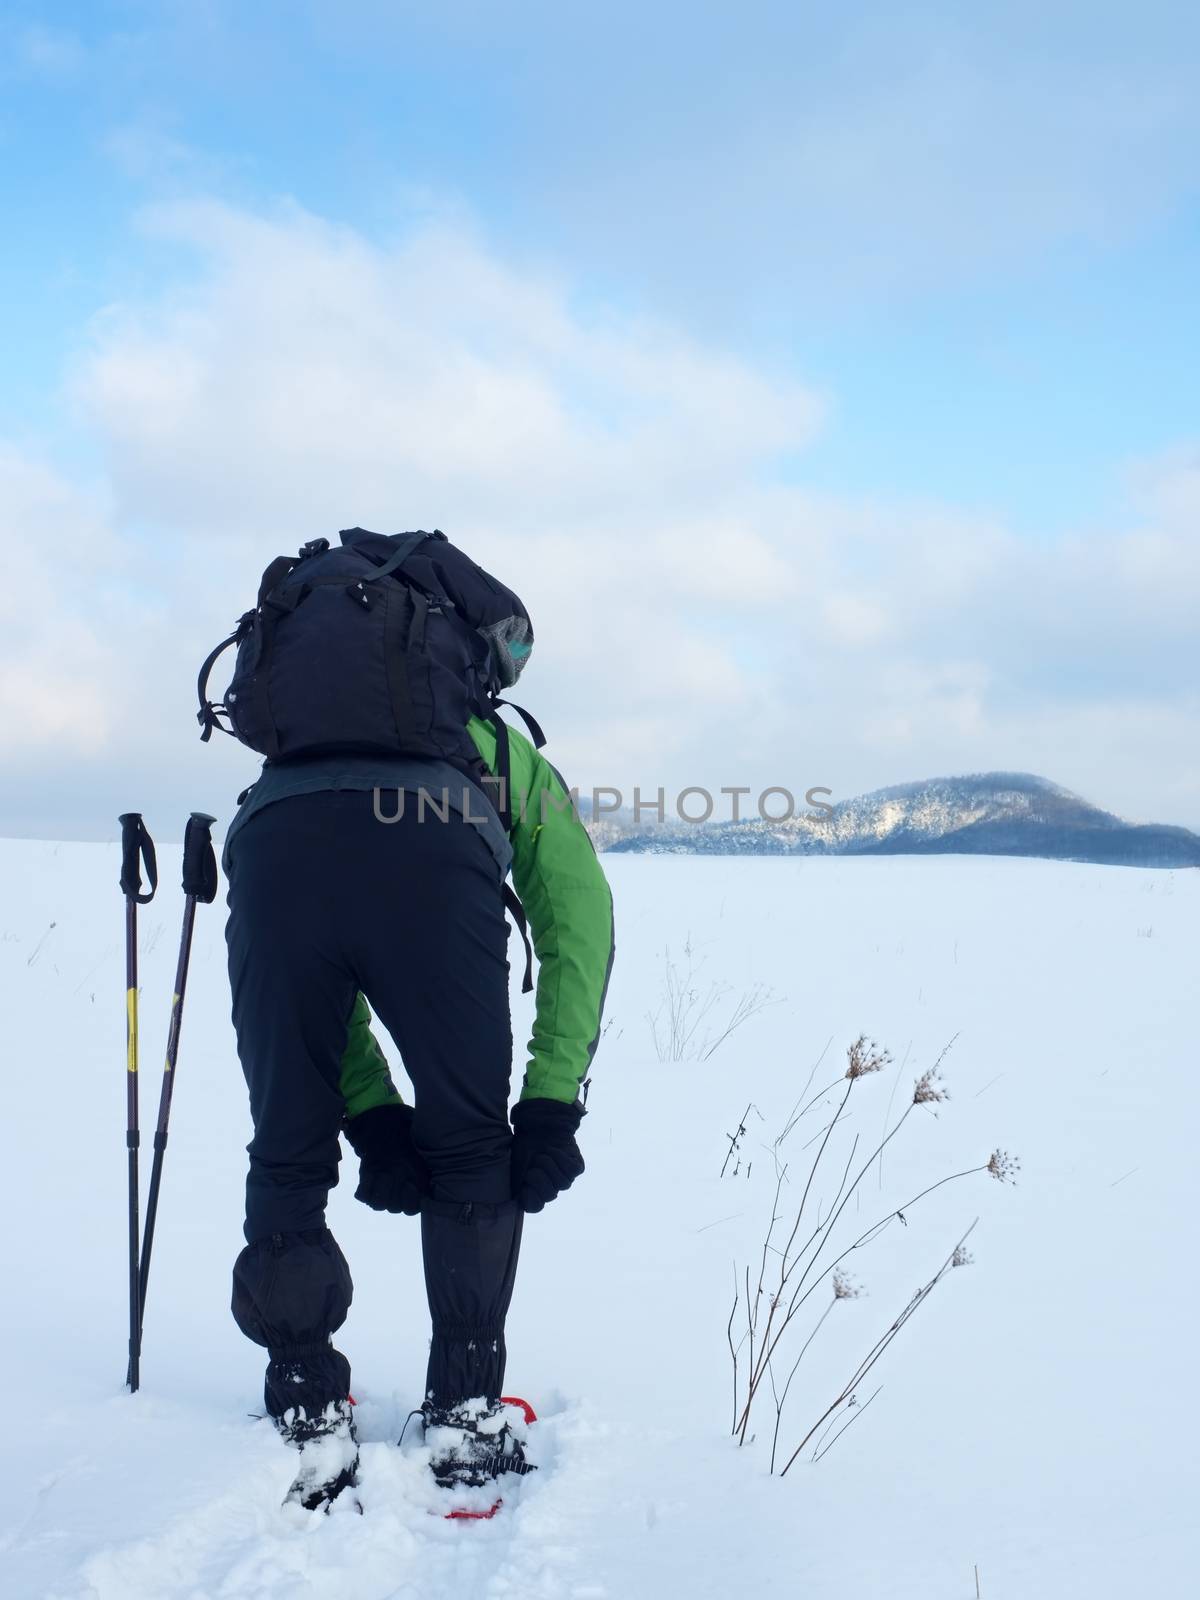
{"x": 775, "y": 1316}
{"x": 694, "y": 1018}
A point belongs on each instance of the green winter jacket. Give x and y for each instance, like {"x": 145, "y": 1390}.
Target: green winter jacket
{"x": 566, "y": 898}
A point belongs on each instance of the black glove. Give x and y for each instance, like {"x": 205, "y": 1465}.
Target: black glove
{"x": 391, "y": 1175}
{"x": 545, "y": 1157}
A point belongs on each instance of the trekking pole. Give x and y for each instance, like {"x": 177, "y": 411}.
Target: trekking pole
{"x": 137, "y": 847}
{"x": 199, "y": 885}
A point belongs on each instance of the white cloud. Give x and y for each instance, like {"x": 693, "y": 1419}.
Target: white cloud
{"x": 311, "y": 381}
{"x": 144, "y": 151}
{"x": 804, "y": 156}
{"x": 422, "y": 375}
{"x": 57, "y": 54}
{"x": 56, "y": 660}
{"x": 855, "y": 619}
{"x": 696, "y": 623}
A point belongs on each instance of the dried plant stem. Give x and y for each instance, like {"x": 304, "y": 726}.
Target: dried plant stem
{"x": 733, "y": 1349}
{"x": 797, "y": 1115}
{"x": 887, "y": 1116}
{"x": 735, "y": 1138}
{"x": 750, "y": 1319}
{"x": 781, "y": 1399}
{"x": 780, "y": 1176}
{"x": 772, "y": 1334}
{"x": 801, "y": 1238}
{"x": 845, "y": 1199}
{"x": 942, "y": 1054}
{"x": 817, "y": 1135}
{"x": 794, "y": 1114}
{"x": 786, "y": 1266}
{"x": 685, "y": 1006}
{"x": 858, "y": 1411}
{"x": 751, "y": 1002}
{"x": 876, "y": 1228}
{"x": 877, "y": 1351}
{"x": 800, "y": 1295}
{"x": 677, "y": 1023}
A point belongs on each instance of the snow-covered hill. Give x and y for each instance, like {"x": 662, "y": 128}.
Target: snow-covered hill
{"x": 1036, "y": 1419}
{"x": 988, "y": 813}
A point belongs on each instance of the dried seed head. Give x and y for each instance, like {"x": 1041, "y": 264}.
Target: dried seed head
{"x": 865, "y": 1056}
{"x": 845, "y": 1288}
{"x": 962, "y": 1257}
{"x": 929, "y": 1088}
{"x": 1003, "y": 1167}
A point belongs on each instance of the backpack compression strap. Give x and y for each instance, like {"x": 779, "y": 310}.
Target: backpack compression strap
{"x": 513, "y": 905}
{"x": 517, "y": 912}
{"x": 209, "y": 713}
{"x": 406, "y": 544}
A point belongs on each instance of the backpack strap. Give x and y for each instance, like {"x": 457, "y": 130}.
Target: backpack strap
{"x": 276, "y": 605}
{"x": 209, "y": 713}
{"x": 406, "y": 544}
{"x": 530, "y": 721}
{"x": 517, "y": 912}
{"x": 504, "y": 805}
{"x": 504, "y": 773}
{"x": 274, "y": 576}
{"x": 283, "y": 565}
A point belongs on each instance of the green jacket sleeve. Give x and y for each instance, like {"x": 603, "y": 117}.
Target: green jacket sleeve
{"x": 366, "y": 1079}
{"x": 566, "y": 897}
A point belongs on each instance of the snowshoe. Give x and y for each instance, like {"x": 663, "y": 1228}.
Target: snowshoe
{"x": 328, "y": 1447}
{"x": 473, "y": 1445}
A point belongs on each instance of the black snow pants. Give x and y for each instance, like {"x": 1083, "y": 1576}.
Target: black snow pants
{"x": 325, "y": 901}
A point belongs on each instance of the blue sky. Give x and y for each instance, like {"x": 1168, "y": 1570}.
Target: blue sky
{"x": 970, "y": 236}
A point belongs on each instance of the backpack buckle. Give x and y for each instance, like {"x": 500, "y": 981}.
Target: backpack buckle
{"x": 285, "y": 600}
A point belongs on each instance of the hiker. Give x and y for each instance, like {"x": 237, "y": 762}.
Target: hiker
{"x": 366, "y": 873}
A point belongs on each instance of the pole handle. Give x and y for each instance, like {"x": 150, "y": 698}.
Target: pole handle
{"x": 137, "y": 849}
{"x": 199, "y": 861}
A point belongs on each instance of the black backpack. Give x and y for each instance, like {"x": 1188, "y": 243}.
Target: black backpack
{"x": 384, "y": 645}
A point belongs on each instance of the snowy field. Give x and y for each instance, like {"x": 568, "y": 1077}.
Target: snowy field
{"x": 1037, "y": 1416}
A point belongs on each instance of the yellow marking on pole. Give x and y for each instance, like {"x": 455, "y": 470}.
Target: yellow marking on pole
{"x": 131, "y": 1028}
